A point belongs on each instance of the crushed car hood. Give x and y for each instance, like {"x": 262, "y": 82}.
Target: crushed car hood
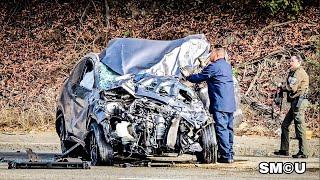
{"x": 167, "y": 90}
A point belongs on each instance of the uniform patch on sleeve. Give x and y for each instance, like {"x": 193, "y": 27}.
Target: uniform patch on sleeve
{"x": 292, "y": 81}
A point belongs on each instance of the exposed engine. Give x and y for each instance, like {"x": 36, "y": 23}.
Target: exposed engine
{"x": 147, "y": 126}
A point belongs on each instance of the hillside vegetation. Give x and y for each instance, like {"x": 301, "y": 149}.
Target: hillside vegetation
{"x": 42, "y": 40}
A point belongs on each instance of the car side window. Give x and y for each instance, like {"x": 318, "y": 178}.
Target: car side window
{"x": 87, "y": 78}
{"x": 81, "y": 79}
{"x": 76, "y": 73}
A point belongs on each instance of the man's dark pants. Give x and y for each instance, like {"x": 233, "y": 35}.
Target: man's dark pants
{"x": 295, "y": 114}
{"x": 224, "y": 132}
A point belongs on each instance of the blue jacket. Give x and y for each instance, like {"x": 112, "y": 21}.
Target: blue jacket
{"x": 220, "y": 85}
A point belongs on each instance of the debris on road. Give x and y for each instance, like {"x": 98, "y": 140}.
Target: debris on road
{"x": 33, "y": 157}
{"x": 35, "y": 162}
{"x": 48, "y": 165}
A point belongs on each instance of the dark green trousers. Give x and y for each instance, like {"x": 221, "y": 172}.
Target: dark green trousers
{"x": 297, "y": 116}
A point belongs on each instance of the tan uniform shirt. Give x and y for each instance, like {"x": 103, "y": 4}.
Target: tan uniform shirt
{"x": 297, "y": 82}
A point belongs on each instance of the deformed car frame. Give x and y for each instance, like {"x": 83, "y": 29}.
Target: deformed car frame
{"x": 109, "y": 115}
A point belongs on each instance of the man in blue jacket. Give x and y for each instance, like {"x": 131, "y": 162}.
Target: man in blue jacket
{"x": 218, "y": 75}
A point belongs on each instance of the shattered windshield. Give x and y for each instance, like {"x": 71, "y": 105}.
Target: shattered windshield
{"x": 106, "y": 76}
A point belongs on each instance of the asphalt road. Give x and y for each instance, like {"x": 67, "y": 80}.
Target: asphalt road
{"x": 250, "y": 152}
{"x": 243, "y": 146}
{"x": 183, "y": 168}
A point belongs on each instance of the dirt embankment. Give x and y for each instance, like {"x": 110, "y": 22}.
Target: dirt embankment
{"x": 42, "y": 40}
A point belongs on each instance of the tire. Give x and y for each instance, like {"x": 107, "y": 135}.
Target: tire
{"x": 208, "y": 141}
{"x": 100, "y": 152}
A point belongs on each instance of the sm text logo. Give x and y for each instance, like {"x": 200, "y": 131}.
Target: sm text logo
{"x": 282, "y": 167}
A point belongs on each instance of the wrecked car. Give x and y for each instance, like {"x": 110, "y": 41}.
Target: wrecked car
{"x": 140, "y": 114}
{"x": 105, "y": 111}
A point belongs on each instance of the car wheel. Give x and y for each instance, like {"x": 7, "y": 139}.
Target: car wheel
{"x": 101, "y": 152}
{"x": 209, "y": 154}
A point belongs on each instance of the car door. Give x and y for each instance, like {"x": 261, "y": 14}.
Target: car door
{"x": 69, "y": 98}
{"x": 80, "y": 88}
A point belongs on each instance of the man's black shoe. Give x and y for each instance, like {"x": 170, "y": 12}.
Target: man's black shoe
{"x": 300, "y": 155}
{"x": 281, "y": 152}
{"x": 224, "y": 160}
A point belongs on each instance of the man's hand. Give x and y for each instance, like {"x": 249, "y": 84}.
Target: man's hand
{"x": 204, "y": 63}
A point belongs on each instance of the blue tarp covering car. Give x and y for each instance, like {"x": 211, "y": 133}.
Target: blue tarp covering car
{"x": 130, "y": 55}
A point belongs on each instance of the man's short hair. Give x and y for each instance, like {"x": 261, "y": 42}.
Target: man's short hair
{"x": 217, "y": 46}
{"x": 219, "y": 49}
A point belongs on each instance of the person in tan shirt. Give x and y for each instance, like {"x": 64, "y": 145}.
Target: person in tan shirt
{"x": 296, "y": 86}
